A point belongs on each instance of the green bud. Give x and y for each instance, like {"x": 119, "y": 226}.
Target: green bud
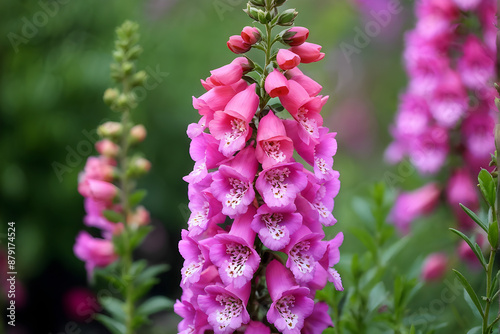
{"x": 139, "y": 78}
{"x": 278, "y": 3}
{"x": 134, "y": 52}
{"x": 260, "y": 3}
{"x": 122, "y": 101}
{"x": 110, "y": 96}
{"x": 127, "y": 67}
{"x": 252, "y": 12}
{"x": 262, "y": 16}
{"x": 110, "y": 129}
{"x": 118, "y": 55}
{"x": 286, "y": 18}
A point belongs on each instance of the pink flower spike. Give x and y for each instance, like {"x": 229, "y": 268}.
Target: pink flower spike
{"x": 449, "y": 102}
{"x": 250, "y": 35}
{"x": 234, "y": 254}
{"x": 308, "y": 52}
{"x": 287, "y": 59}
{"x": 291, "y": 304}
{"x": 107, "y": 148}
{"x": 429, "y": 150}
{"x": 299, "y": 36}
{"x": 275, "y": 226}
{"x": 411, "y": 205}
{"x": 237, "y": 45}
{"x": 462, "y": 190}
{"x": 477, "y": 66}
{"x": 94, "y": 251}
{"x": 466, "y": 5}
{"x": 225, "y": 307}
{"x": 434, "y": 267}
{"x": 276, "y": 84}
{"x": 280, "y": 184}
{"x": 273, "y": 145}
{"x": 194, "y": 259}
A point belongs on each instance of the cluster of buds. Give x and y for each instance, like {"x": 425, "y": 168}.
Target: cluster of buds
{"x": 108, "y": 203}
{"x": 254, "y": 250}
{"x": 446, "y": 117}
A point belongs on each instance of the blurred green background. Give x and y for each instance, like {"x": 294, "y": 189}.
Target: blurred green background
{"x": 54, "y": 68}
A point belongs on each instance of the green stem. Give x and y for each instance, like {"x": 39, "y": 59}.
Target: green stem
{"x": 489, "y": 271}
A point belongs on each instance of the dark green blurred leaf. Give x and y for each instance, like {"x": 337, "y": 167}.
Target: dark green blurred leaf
{"x": 366, "y": 238}
{"x": 114, "y": 326}
{"x": 487, "y": 187}
{"x": 114, "y": 306}
{"x": 137, "y": 197}
{"x": 470, "y": 291}
{"x": 155, "y": 304}
{"x": 139, "y": 235}
{"x": 113, "y": 216}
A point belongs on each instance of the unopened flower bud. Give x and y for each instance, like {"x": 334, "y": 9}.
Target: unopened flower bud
{"x": 262, "y": 17}
{"x": 127, "y": 67}
{"x": 122, "y": 101}
{"x": 251, "y": 35}
{"x": 107, "y": 148}
{"x": 296, "y": 36}
{"x": 138, "y": 166}
{"x": 140, "y": 217}
{"x": 286, "y": 18}
{"x": 138, "y": 133}
{"x": 497, "y": 103}
{"x": 118, "y": 55}
{"x": 110, "y": 129}
{"x": 252, "y": 12}
{"x": 139, "y": 78}
{"x": 110, "y": 96}
{"x": 260, "y": 3}
{"x": 237, "y": 45}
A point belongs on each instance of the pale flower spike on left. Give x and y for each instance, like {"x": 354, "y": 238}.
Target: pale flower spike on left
{"x": 111, "y": 200}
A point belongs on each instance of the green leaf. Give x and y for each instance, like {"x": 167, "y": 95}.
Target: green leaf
{"x": 470, "y": 291}
{"x": 114, "y": 326}
{"x": 151, "y": 272}
{"x": 475, "y": 330}
{"x": 366, "y": 238}
{"x": 377, "y": 296}
{"x": 119, "y": 244}
{"x": 471, "y": 305}
{"x": 114, "y": 306}
{"x": 487, "y": 187}
{"x": 113, "y": 216}
{"x": 394, "y": 249}
{"x": 493, "y": 233}
{"x": 136, "y": 197}
{"x": 474, "y": 217}
{"x": 144, "y": 287}
{"x": 155, "y": 304}
{"x": 139, "y": 235}
{"x": 467, "y": 240}
{"x": 277, "y": 107}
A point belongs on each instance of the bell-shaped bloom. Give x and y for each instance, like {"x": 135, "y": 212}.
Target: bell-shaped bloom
{"x": 209, "y": 276}
{"x": 321, "y": 195}
{"x": 462, "y": 190}
{"x": 238, "y": 45}
{"x": 413, "y": 116}
{"x": 233, "y": 183}
{"x": 466, "y": 5}
{"x": 312, "y": 87}
{"x": 227, "y": 74}
{"x": 94, "y": 251}
{"x": 449, "y": 101}
{"x": 287, "y": 59}
{"x": 275, "y": 226}
{"x": 194, "y": 255}
{"x": 99, "y": 168}
{"x": 94, "y": 216}
{"x": 304, "y": 251}
{"x": 214, "y": 100}
{"x": 234, "y": 254}
{"x": 296, "y": 36}
{"x": 256, "y": 327}
{"x": 250, "y": 35}
{"x": 231, "y": 125}
{"x": 291, "y": 303}
{"x": 97, "y": 190}
{"x": 273, "y": 144}
{"x": 205, "y": 211}
{"x": 331, "y": 258}
{"x": 280, "y": 184}
{"x": 225, "y": 307}
{"x": 319, "y": 320}
{"x": 478, "y": 138}
{"x": 107, "y": 148}
{"x": 429, "y": 150}
{"x": 477, "y": 66}
{"x": 194, "y": 320}
{"x": 305, "y": 110}
{"x": 411, "y": 205}
{"x": 434, "y": 267}
{"x": 276, "y": 84}
{"x": 205, "y": 148}
{"x": 308, "y": 52}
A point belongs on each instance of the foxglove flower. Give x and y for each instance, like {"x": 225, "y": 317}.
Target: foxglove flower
{"x": 94, "y": 251}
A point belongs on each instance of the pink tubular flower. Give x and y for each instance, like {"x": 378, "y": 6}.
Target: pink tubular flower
{"x": 214, "y": 100}
{"x": 194, "y": 320}
{"x": 331, "y": 258}
{"x": 411, "y": 205}
{"x": 95, "y": 252}
{"x": 413, "y": 115}
{"x": 478, "y": 138}
{"x": 319, "y": 320}
{"x": 296, "y": 36}
{"x": 228, "y": 74}
{"x": 476, "y": 67}
{"x": 467, "y": 4}
{"x": 275, "y": 226}
{"x": 250, "y": 35}
{"x": 462, "y": 190}
{"x": 434, "y": 267}
{"x": 287, "y": 59}
{"x": 225, "y": 307}
{"x": 312, "y": 87}
{"x": 237, "y": 45}
{"x": 98, "y": 190}
{"x": 308, "y": 52}
{"x": 273, "y": 145}
{"x": 291, "y": 304}
{"x": 233, "y": 253}
{"x": 276, "y": 84}
{"x": 194, "y": 255}
{"x": 233, "y": 183}
{"x": 256, "y": 327}
{"x": 280, "y": 184}
{"x": 231, "y": 125}
{"x": 205, "y": 212}
{"x": 94, "y": 216}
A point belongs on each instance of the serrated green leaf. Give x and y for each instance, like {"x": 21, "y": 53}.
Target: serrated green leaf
{"x": 467, "y": 240}
{"x": 470, "y": 291}
{"x": 474, "y": 217}
{"x": 114, "y": 306}
{"x": 155, "y": 304}
{"x": 113, "y": 216}
{"x": 487, "y": 187}
{"x": 114, "y": 326}
{"x": 136, "y": 197}
{"x": 493, "y": 233}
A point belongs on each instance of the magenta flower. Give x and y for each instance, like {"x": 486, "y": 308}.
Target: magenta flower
{"x": 413, "y": 116}
{"x": 275, "y": 226}
{"x": 298, "y": 35}
{"x": 228, "y": 74}
{"x": 291, "y": 304}
{"x": 312, "y": 87}
{"x": 214, "y": 100}
{"x": 205, "y": 212}
{"x": 461, "y": 189}
{"x": 250, "y": 35}
{"x": 225, "y": 307}
{"x": 233, "y": 183}
{"x": 429, "y": 150}
{"x": 449, "y": 101}
{"x": 234, "y": 254}
{"x": 319, "y": 320}
{"x": 256, "y": 327}
{"x": 280, "y": 184}
{"x": 467, "y": 4}
{"x": 321, "y": 195}
{"x": 308, "y": 52}
{"x": 477, "y": 66}
{"x": 194, "y": 255}
{"x": 287, "y": 60}
{"x": 231, "y": 125}
{"x": 273, "y": 145}
{"x": 276, "y": 84}
{"x": 194, "y": 321}
{"x": 434, "y": 267}
{"x": 331, "y": 258}
{"x": 478, "y": 138}
{"x": 94, "y": 251}
{"x": 238, "y": 45}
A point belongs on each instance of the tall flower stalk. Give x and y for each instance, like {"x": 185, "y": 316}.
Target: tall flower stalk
{"x": 254, "y": 250}
{"x": 112, "y": 201}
